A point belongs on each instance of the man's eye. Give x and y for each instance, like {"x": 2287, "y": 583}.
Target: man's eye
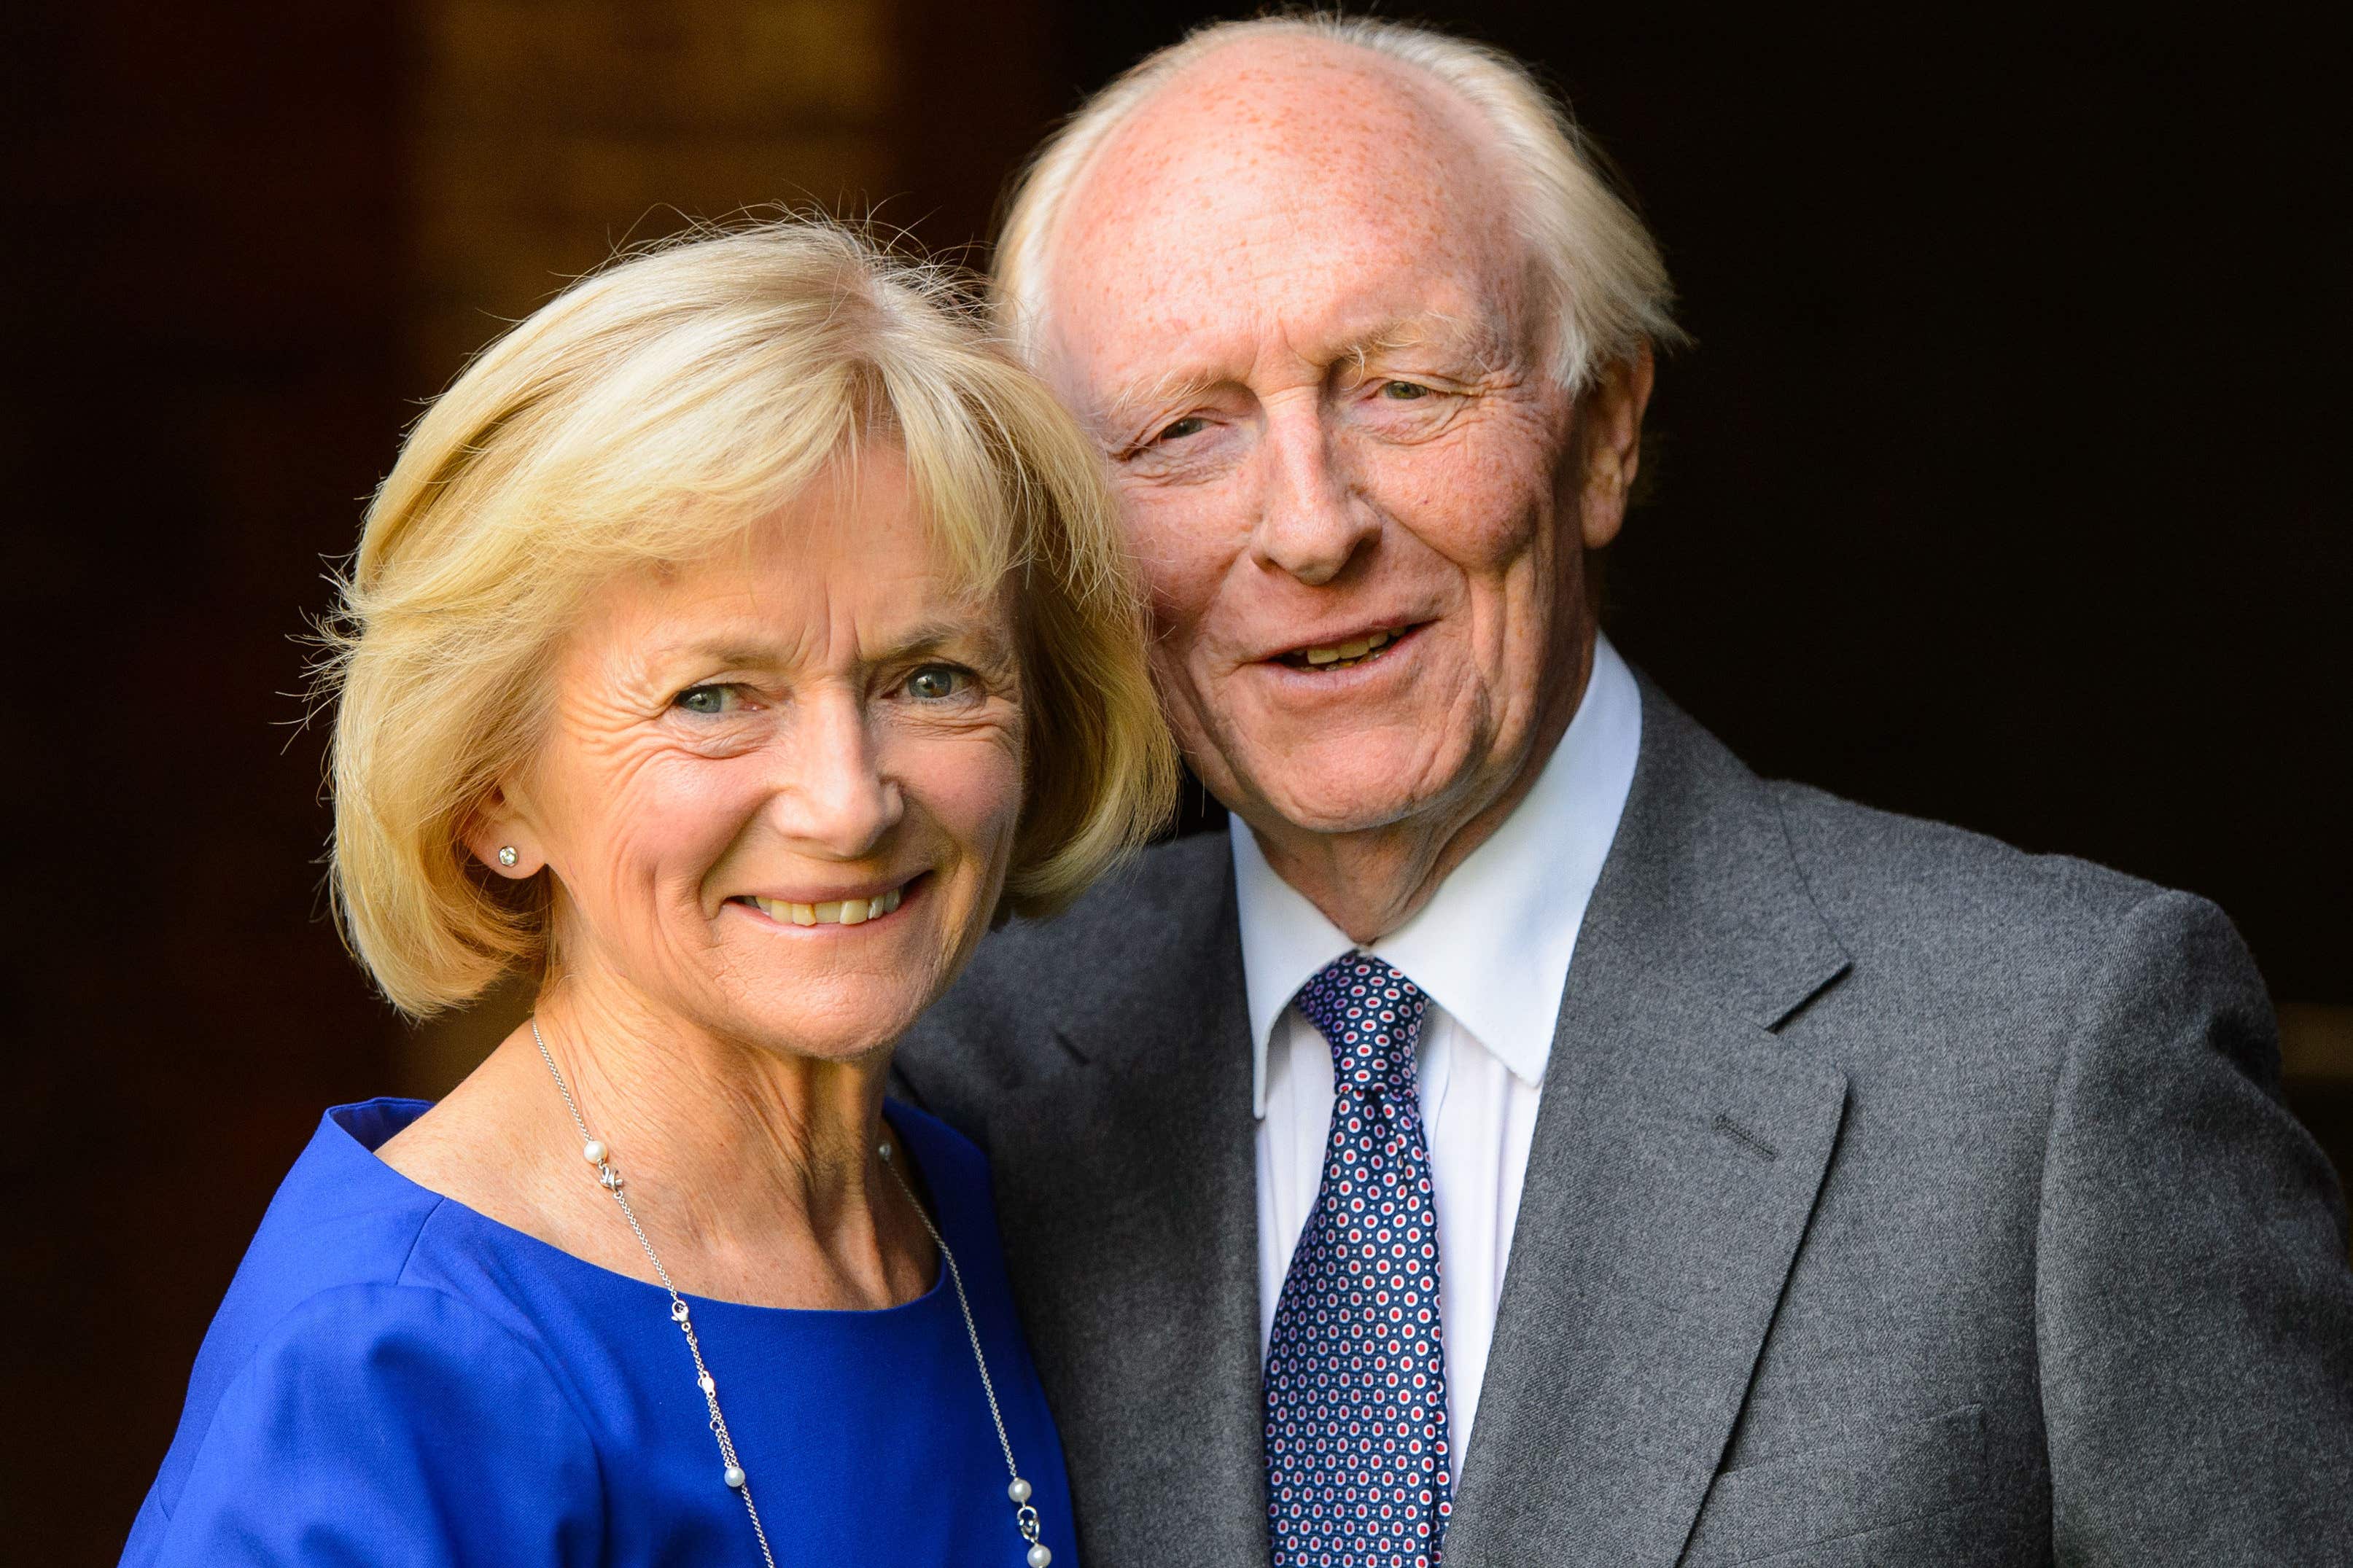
{"x": 1191, "y": 425}
{"x": 1403, "y": 390}
{"x": 937, "y": 683}
{"x": 707, "y": 701}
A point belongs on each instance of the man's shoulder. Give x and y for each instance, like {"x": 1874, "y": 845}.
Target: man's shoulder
{"x": 1965, "y": 924}
{"x": 1862, "y": 864}
{"x": 1137, "y": 934}
{"x": 1171, "y": 892}
{"x": 1906, "y": 898}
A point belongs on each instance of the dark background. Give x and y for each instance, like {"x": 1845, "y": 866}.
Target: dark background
{"x": 2004, "y": 485}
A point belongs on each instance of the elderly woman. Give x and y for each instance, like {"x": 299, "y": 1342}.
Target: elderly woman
{"x": 734, "y": 641}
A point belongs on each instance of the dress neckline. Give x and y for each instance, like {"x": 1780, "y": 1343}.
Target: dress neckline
{"x": 366, "y": 1126}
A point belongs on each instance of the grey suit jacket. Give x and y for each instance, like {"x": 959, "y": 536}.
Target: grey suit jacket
{"x": 1896, "y": 1197}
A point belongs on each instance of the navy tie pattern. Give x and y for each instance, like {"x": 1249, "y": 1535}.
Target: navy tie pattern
{"x": 1358, "y": 1470}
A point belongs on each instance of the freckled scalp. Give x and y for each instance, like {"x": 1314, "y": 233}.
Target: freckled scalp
{"x": 1408, "y": 93}
{"x": 1272, "y": 171}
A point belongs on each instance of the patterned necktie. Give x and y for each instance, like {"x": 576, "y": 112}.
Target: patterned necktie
{"x": 1358, "y": 1470}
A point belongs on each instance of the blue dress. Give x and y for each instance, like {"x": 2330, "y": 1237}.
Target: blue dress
{"x": 397, "y": 1379}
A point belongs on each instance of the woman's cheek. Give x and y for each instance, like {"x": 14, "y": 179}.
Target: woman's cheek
{"x": 674, "y": 821}
{"x": 976, "y": 792}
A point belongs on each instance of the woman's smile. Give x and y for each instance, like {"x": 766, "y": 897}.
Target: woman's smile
{"x": 843, "y": 910}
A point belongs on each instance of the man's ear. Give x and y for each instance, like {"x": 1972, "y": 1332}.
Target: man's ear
{"x": 502, "y": 840}
{"x": 1610, "y": 419}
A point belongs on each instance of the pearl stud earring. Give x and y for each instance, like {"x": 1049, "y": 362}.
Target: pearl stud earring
{"x": 507, "y": 856}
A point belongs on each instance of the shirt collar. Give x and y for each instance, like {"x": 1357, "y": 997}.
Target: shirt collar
{"x": 1492, "y": 945}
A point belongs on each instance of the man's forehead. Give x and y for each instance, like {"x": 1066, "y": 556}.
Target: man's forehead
{"x": 1338, "y": 193}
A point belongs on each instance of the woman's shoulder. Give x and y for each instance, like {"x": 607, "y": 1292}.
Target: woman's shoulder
{"x": 348, "y": 1246}
{"x": 362, "y": 1421}
{"x": 341, "y": 1218}
{"x": 332, "y": 1343}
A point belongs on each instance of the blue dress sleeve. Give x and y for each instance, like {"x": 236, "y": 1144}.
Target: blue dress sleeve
{"x": 389, "y": 1427}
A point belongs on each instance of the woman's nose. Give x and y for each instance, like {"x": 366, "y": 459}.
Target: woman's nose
{"x": 834, "y": 797}
{"x": 1309, "y": 522}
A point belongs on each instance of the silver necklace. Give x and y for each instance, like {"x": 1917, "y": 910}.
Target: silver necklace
{"x": 609, "y": 1175}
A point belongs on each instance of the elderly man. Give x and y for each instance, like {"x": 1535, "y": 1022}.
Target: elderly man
{"x": 1529, "y": 1137}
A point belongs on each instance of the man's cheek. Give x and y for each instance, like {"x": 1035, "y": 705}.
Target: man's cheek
{"x": 1491, "y": 520}
{"x": 1173, "y": 612}
{"x": 1179, "y": 583}
{"x": 1507, "y": 480}
{"x": 1469, "y": 502}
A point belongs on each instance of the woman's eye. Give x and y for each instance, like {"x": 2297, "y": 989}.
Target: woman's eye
{"x": 937, "y": 682}
{"x": 1403, "y": 390}
{"x": 1191, "y": 425}
{"x": 707, "y": 701}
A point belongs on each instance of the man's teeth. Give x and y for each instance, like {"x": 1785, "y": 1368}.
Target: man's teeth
{"x": 1346, "y": 653}
{"x": 843, "y": 912}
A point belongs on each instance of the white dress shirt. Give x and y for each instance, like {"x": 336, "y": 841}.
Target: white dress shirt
{"x": 1492, "y": 950}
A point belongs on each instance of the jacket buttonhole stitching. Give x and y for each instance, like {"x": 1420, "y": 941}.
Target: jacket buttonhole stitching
{"x": 1747, "y": 1141}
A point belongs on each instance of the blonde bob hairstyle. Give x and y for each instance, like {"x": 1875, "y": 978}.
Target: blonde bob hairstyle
{"x": 1599, "y": 275}
{"x": 650, "y": 414}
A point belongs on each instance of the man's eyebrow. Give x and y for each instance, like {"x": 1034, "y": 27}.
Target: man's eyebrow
{"x": 1483, "y": 342}
{"x": 1131, "y": 403}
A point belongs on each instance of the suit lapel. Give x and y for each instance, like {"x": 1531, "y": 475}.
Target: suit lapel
{"x": 1128, "y": 1199}
{"x": 1675, "y": 1165}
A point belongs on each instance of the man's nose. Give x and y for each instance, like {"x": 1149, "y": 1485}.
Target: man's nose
{"x": 834, "y": 797}
{"x": 1309, "y": 522}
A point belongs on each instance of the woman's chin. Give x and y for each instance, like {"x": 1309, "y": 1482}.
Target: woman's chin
{"x": 837, "y": 1017}
{"x": 838, "y": 989}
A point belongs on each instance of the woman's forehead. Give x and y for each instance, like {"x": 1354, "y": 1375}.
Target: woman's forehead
{"x": 791, "y": 600}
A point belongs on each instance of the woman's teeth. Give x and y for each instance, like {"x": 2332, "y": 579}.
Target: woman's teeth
{"x": 1344, "y": 654}
{"x": 843, "y": 912}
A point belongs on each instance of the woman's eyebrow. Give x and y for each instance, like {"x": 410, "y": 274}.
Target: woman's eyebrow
{"x": 736, "y": 649}
{"x": 933, "y": 636}
{"x": 979, "y": 641}
{"x": 728, "y": 653}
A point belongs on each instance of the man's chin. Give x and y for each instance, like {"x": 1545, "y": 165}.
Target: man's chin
{"x": 1341, "y": 800}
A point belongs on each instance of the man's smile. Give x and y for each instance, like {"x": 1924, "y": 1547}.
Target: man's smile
{"x": 1348, "y": 652}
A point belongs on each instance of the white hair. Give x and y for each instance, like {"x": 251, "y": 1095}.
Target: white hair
{"x": 1604, "y": 286}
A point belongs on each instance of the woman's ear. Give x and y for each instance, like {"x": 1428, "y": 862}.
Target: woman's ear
{"x": 501, "y": 840}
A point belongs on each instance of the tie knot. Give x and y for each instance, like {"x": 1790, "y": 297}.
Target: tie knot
{"x": 1371, "y": 1015}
